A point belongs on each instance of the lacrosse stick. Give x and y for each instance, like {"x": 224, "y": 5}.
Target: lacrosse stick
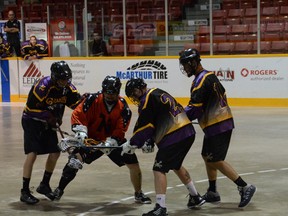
{"x": 62, "y": 133}
{"x": 68, "y": 144}
{"x": 95, "y": 144}
{"x": 59, "y": 130}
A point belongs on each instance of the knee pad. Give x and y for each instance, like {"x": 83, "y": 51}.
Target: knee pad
{"x": 74, "y": 162}
{"x": 69, "y": 173}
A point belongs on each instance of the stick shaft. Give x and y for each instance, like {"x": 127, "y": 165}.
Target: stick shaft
{"x": 103, "y": 147}
{"x": 60, "y": 131}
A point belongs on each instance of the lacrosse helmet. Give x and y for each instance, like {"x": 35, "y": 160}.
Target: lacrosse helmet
{"x": 111, "y": 85}
{"x": 131, "y": 85}
{"x": 61, "y": 71}
{"x": 188, "y": 61}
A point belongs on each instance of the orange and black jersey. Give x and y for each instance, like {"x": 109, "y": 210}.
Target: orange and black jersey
{"x": 161, "y": 118}
{"x": 208, "y": 103}
{"x": 45, "y": 99}
{"x": 101, "y": 121}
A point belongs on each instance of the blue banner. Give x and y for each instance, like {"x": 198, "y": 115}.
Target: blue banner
{"x": 5, "y": 80}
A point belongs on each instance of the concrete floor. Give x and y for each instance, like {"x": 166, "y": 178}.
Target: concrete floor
{"x": 258, "y": 152}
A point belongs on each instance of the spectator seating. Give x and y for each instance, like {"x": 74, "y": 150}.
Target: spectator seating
{"x": 225, "y": 48}
{"x": 243, "y": 47}
{"x": 279, "y": 46}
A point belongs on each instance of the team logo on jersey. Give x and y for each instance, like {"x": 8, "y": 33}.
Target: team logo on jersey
{"x": 32, "y": 75}
{"x": 147, "y": 69}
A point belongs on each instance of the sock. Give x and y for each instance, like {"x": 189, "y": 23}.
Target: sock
{"x": 212, "y": 186}
{"x": 191, "y": 188}
{"x": 46, "y": 177}
{"x": 160, "y": 199}
{"x": 26, "y": 182}
{"x": 240, "y": 182}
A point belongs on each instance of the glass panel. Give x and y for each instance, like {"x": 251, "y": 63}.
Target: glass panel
{"x": 104, "y": 21}
{"x": 234, "y": 26}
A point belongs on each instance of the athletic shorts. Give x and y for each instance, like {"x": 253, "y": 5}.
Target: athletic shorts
{"x": 171, "y": 157}
{"x": 215, "y": 148}
{"x": 38, "y": 137}
{"x": 115, "y": 156}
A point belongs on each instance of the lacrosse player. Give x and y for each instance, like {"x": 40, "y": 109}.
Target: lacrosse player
{"x": 34, "y": 49}
{"x": 103, "y": 116}
{"x": 43, "y": 112}
{"x": 162, "y": 120}
{"x": 208, "y": 104}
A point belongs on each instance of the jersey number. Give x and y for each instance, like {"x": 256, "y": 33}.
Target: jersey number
{"x": 174, "y": 108}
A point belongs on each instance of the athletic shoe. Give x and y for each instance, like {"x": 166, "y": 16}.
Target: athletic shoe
{"x": 28, "y": 198}
{"x": 142, "y": 198}
{"x": 43, "y": 189}
{"x": 55, "y": 195}
{"x": 157, "y": 211}
{"x": 246, "y": 194}
{"x": 212, "y": 197}
{"x": 195, "y": 201}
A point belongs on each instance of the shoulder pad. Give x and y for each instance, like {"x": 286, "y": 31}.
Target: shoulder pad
{"x": 25, "y": 43}
{"x": 124, "y": 102}
{"x": 126, "y": 112}
{"x": 89, "y": 101}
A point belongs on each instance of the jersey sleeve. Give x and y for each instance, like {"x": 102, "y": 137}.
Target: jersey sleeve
{"x": 73, "y": 97}
{"x": 35, "y": 105}
{"x": 199, "y": 92}
{"x": 144, "y": 127}
{"x": 79, "y": 117}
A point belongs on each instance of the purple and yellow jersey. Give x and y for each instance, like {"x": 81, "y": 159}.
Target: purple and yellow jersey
{"x": 5, "y": 49}
{"x": 161, "y": 118}
{"x": 208, "y": 103}
{"x": 40, "y": 49}
{"x": 45, "y": 98}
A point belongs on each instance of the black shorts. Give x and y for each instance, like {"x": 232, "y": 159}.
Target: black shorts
{"x": 171, "y": 157}
{"x": 38, "y": 137}
{"x": 115, "y": 156}
{"x": 215, "y": 148}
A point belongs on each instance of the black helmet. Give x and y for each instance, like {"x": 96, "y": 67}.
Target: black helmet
{"x": 60, "y": 71}
{"x": 192, "y": 58}
{"x": 111, "y": 85}
{"x": 188, "y": 55}
{"x": 133, "y": 83}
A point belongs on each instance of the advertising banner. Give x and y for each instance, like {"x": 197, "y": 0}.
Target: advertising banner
{"x": 242, "y": 77}
{"x": 36, "y": 29}
{"x": 62, "y": 30}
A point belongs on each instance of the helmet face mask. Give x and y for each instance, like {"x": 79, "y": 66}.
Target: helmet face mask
{"x": 188, "y": 61}
{"x": 133, "y": 90}
{"x": 111, "y": 85}
{"x": 60, "y": 71}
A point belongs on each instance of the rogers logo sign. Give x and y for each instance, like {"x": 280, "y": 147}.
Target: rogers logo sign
{"x": 245, "y": 72}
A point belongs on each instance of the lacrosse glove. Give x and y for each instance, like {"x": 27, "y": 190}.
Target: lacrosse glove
{"x": 80, "y": 132}
{"x": 148, "y": 146}
{"x": 127, "y": 148}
